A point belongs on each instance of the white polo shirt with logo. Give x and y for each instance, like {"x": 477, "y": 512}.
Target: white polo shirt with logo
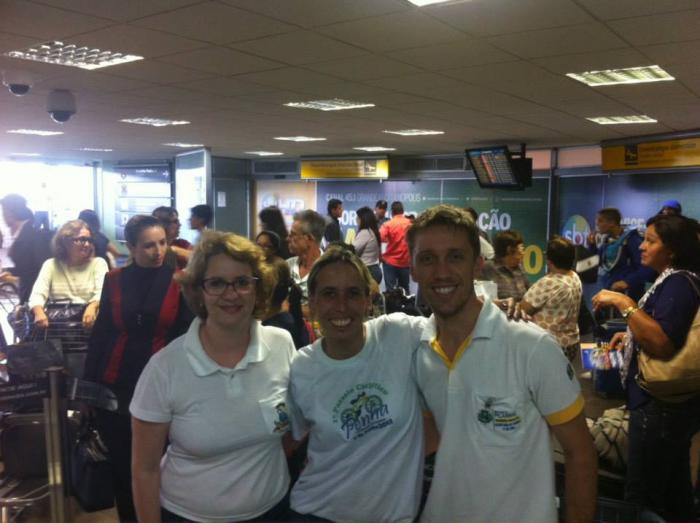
{"x": 492, "y": 405}
{"x": 363, "y": 414}
{"x": 224, "y": 460}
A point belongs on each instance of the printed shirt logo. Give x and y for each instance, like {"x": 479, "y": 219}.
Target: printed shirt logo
{"x": 282, "y": 421}
{"x": 362, "y": 409}
{"x": 501, "y": 420}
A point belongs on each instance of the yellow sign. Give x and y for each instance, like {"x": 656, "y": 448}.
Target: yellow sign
{"x": 320, "y": 169}
{"x": 652, "y": 155}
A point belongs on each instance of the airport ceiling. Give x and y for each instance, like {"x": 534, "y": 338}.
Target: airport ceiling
{"x": 482, "y": 71}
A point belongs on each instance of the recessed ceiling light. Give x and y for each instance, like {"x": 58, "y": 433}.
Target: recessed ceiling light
{"x": 72, "y": 55}
{"x": 184, "y": 145}
{"x": 421, "y": 3}
{"x": 155, "y": 122}
{"x": 96, "y": 150}
{"x": 299, "y": 139}
{"x": 25, "y": 154}
{"x": 414, "y": 132}
{"x": 335, "y": 104}
{"x": 264, "y": 153}
{"x": 374, "y": 149}
{"x": 630, "y": 75}
{"x": 36, "y": 132}
{"x": 615, "y": 120}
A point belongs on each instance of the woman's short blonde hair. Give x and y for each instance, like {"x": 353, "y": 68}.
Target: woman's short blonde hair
{"x": 238, "y": 248}
{"x": 63, "y": 239}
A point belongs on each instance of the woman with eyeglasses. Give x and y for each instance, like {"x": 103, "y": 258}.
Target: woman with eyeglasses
{"x": 74, "y": 275}
{"x": 217, "y": 397}
{"x": 141, "y": 311}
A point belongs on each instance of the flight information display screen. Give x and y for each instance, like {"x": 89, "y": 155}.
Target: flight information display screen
{"x": 493, "y": 167}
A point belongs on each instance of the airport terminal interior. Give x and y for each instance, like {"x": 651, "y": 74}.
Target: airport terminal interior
{"x": 536, "y": 114}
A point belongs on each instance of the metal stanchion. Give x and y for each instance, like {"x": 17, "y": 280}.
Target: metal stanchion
{"x": 54, "y": 417}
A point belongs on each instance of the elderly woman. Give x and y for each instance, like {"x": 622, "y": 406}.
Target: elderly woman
{"x": 554, "y": 300}
{"x": 354, "y": 392}
{"x": 217, "y": 397}
{"x": 141, "y": 311}
{"x": 658, "y": 471}
{"x": 73, "y": 275}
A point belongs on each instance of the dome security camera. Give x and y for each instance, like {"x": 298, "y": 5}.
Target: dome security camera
{"x": 18, "y": 83}
{"x": 61, "y": 105}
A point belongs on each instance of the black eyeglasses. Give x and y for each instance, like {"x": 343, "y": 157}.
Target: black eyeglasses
{"x": 83, "y": 240}
{"x": 217, "y": 286}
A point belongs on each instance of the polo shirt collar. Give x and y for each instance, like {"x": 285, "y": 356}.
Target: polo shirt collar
{"x": 485, "y": 324}
{"x": 203, "y": 365}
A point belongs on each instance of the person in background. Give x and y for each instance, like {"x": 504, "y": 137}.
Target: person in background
{"x": 505, "y": 268}
{"x": 671, "y": 207}
{"x": 620, "y": 268}
{"x": 305, "y": 246}
{"x": 553, "y": 301}
{"x": 498, "y": 390}
{"x": 367, "y": 242}
{"x": 487, "y": 252}
{"x": 354, "y": 392}
{"x": 284, "y": 310}
{"x": 335, "y": 211}
{"x": 658, "y": 466}
{"x": 31, "y": 246}
{"x": 395, "y": 259}
{"x": 200, "y": 218}
{"x": 102, "y": 245}
{"x": 216, "y": 398}
{"x": 179, "y": 249}
{"x": 73, "y": 275}
{"x": 272, "y": 219}
{"x": 380, "y": 212}
{"x": 141, "y": 311}
{"x": 271, "y": 244}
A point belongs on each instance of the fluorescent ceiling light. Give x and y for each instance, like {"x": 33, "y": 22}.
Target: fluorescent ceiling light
{"x": 299, "y": 139}
{"x": 631, "y": 75}
{"x": 155, "y": 122}
{"x": 616, "y": 120}
{"x": 36, "y": 132}
{"x": 264, "y": 153}
{"x": 335, "y": 104}
{"x": 25, "y": 154}
{"x": 374, "y": 149}
{"x": 421, "y": 3}
{"x": 414, "y": 132}
{"x": 72, "y": 55}
{"x": 96, "y": 150}
{"x": 184, "y": 145}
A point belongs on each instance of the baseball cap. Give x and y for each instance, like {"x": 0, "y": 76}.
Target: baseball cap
{"x": 672, "y": 204}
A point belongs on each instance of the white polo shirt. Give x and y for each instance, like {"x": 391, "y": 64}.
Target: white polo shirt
{"x": 492, "y": 408}
{"x": 365, "y": 454}
{"x": 225, "y": 460}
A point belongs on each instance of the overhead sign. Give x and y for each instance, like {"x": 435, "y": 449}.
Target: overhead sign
{"x": 652, "y": 155}
{"x": 324, "y": 169}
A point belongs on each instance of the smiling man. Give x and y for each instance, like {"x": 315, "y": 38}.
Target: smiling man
{"x": 496, "y": 389}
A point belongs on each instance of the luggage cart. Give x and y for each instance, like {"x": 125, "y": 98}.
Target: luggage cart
{"x": 68, "y": 336}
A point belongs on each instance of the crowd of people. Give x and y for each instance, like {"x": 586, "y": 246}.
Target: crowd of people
{"x": 238, "y": 356}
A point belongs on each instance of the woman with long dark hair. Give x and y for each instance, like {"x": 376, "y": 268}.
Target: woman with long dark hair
{"x": 658, "y": 470}
{"x": 271, "y": 219}
{"x": 368, "y": 243}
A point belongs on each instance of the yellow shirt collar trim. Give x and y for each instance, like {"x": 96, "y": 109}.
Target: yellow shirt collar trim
{"x": 435, "y": 345}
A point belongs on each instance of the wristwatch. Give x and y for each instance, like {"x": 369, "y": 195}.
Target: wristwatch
{"x": 629, "y": 311}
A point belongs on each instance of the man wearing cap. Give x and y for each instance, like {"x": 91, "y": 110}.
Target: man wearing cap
{"x": 672, "y": 207}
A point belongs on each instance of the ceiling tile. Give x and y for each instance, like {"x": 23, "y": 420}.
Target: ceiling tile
{"x": 562, "y": 40}
{"x": 506, "y": 16}
{"x": 607, "y": 10}
{"x": 122, "y": 10}
{"x": 459, "y": 53}
{"x": 300, "y": 47}
{"x": 214, "y": 22}
{"x": 312, "y": 13}
{"x": 288, "y": 78}
{"x": 220, "y": 60}
{"x": 156, "y": 72}
{"x": 10, "y": 42}
{"x": 674, "y": 53}
{"x": 224, "y": 86}
{"x": 420, "y": 83}
{"x": 43, "y": 22}
{"x": 671, "y": 27}
{"x": 366, "y": 67}
{"x": 580, "y": 62}
{"x": 394, "y": 31}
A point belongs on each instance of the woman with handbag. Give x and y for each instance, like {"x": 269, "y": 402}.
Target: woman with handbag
{"x": 217, "y": 398}
{"x": 74, "y": 275}
{"x": 141, "y": 311}
{"x": 658, "y": 330}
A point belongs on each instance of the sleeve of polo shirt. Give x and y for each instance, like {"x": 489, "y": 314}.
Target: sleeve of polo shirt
{"x": 553, "y": 383}
{"x": 151, "y": 397}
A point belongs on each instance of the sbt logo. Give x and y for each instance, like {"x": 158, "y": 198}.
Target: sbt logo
{"x": 576, "y": 230}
